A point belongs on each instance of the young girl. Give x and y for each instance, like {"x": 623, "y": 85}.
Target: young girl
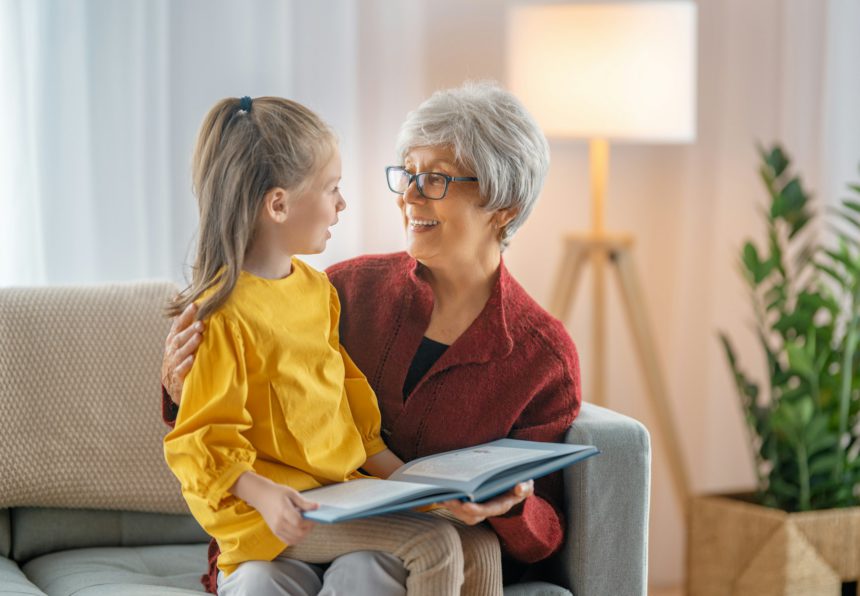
{"x": 273, "y": 404}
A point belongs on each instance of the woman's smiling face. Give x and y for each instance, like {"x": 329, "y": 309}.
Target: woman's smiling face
{"x": 454, "y": 229}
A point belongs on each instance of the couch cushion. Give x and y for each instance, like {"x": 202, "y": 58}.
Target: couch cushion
{"x": 35, "y": 531}
{"x": 79, "y": 398}
{"x": 536, "y": 589}
{"x": 129, "y": 571}
{"x": 5, "y": 534}
{"x": 153, "y": 571}
{"x": 13, "y": 580}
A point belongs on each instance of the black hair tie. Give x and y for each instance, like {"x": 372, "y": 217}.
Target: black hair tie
{"x": 245, "y": 104}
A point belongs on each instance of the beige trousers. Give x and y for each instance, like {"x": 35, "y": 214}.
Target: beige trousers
{"x": 442, "y": 556}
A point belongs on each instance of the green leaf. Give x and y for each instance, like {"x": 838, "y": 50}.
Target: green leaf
{"x": 804, "y": 256}
{"x": 798, "y": 225}
{"x": 751, "y": 262}
{"x": 799, "y": 360}
{"x": 832, "y": 273}
{"x": 849, "y": 218}
{"x": 776, "y": 160}
{"x": 767, "y": 177}
{"x": 782, "y": 488}
{"x": 729, "y": 350}
{"x": 747, "y": 391}
{"x": 824, "y": 464}
{"x": 788, "y": 321}
{"x": 805, "y": 411}
{"x": 852, "y": 205}
{"x": 823, "y": 442}
{"x": 794, "y": 197}
{"x": 795, "y": 393}
{"x": 777, "y": 207}
{"x": 775, "y": 250}
{"x": 841, "y": 257}
{"x": 775, "y": 296}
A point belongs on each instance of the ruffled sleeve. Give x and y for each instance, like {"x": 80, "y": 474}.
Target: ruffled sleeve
{"x": 362, "y": 399}
{"x": 206, "y": 449}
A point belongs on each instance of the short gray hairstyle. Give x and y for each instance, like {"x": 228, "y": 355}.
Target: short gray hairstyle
{"x": 493, "y": 135}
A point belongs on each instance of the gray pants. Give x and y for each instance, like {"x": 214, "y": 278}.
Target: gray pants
{"x": 358, "y": 573}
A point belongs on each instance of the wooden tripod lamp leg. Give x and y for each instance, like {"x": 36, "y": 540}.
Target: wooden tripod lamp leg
{"x": 647, "y": 352}
{"x": 567, "y": 279}
{"x": 598, "y": 248}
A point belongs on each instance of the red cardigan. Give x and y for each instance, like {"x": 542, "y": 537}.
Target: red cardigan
{"x": 513, "y": 373}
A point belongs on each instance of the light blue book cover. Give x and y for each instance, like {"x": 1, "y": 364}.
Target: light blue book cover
{"x": 474, "y": 473}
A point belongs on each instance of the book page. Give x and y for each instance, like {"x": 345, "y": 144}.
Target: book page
{"x": 467, "y": 464}
{"x": 361, "y": 493}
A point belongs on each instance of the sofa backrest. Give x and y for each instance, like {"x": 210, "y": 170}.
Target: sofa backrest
{"x": 5, "y": 533}
{"x": 80, "y": 423}
{"x": 39, "y": 531}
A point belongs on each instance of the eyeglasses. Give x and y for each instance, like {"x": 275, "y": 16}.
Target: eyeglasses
{"x": 431, "y": 185}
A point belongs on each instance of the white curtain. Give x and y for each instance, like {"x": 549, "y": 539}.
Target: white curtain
{"x": 100, "y": 105}
{"x": 841, "y": 97}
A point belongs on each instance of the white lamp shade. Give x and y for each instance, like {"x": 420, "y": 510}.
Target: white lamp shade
{"x": 622, "y": 71}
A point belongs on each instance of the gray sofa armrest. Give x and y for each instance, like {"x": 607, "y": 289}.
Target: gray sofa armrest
{"x": 607, "y": 503}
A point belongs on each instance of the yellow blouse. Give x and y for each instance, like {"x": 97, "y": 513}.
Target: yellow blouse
{"x": 271, "y": 391}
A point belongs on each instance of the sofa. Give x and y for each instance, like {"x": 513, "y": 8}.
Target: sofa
{"x": 88, "y": 507}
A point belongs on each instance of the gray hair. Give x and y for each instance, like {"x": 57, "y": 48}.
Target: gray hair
{"x": 493, "y": 135}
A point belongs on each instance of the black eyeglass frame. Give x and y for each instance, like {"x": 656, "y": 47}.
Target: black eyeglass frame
{"x": 420, "y": 185}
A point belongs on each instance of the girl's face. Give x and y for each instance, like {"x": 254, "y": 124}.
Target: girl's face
{"x": 454, "y": 229}
{"x": 313, "y": 210}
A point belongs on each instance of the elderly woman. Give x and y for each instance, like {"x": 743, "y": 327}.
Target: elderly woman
{"x": 457, "y": 352}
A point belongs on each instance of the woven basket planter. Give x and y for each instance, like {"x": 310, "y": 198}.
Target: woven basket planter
{"x": 738, "y": 548}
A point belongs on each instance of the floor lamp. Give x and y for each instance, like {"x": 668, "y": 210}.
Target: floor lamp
{"x": 620, "y": 72}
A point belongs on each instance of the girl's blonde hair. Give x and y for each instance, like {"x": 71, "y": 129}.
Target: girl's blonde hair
{"x": 244, "y": 149}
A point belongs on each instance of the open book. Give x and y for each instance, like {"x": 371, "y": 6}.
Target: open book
{"x": 475, "y": 474}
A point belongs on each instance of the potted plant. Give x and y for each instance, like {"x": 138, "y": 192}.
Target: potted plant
{"x": 799, "y": 532}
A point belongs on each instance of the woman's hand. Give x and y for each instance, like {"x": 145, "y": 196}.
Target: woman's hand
{"x": 179, "y": 348}
{"x": 474, "y": 513}
{"x": 280, "y": 506}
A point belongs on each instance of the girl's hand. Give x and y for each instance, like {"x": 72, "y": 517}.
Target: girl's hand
{"x": 282, "y": 508}
{"x": 474, "y": 513}
{"x": 179, "y": 348}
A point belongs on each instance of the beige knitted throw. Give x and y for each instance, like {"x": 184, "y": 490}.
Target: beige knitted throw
{"x": 80, "y": 415}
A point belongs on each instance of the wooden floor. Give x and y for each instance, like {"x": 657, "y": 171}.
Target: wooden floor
{"x": 677, "y": 591}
